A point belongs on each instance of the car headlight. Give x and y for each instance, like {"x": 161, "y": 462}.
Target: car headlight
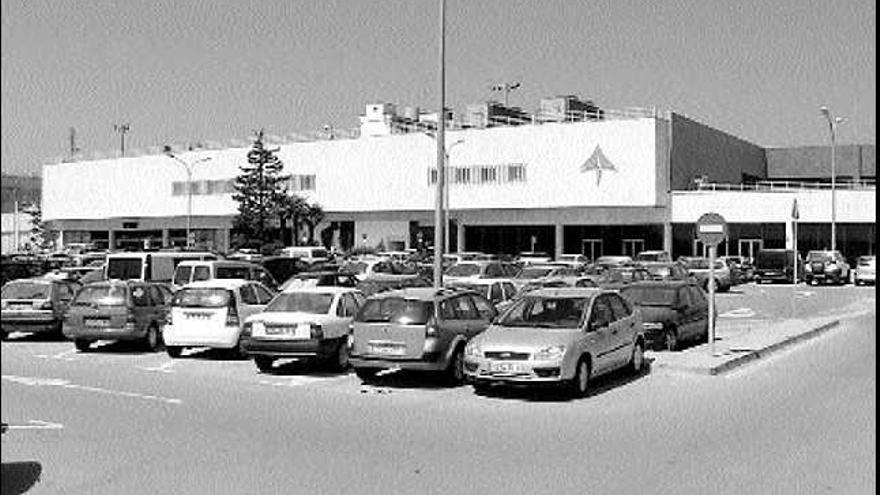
{"x": 473, "y": 350}
{"x": 550, "y": 353}
{"x": 652, "y": 325}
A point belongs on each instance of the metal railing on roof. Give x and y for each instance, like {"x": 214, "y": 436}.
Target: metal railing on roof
{"x": 787, "y": 186}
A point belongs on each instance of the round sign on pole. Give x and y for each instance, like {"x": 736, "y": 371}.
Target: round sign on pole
{"x": 711, "y": 229}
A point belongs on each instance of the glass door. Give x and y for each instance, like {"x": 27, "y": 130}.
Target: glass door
{"x": 632, "y": 247}
{"x": 591, "y": 248}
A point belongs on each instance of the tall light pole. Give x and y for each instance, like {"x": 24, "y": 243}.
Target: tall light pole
{"x": 441, "y": 156}
{"x": 188, "y": 167}
{"x": 832, "y": 126}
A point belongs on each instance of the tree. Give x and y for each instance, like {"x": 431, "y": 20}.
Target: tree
{"x": 314, "y": 214}
{"x": 42, "y": 234}
{"x": 260, "y": 193}
{"x": 293, "y": 207}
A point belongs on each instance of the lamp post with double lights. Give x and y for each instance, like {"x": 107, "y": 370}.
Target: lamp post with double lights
{"x": 189, "y": 168}
{"x": 832, "y": 126}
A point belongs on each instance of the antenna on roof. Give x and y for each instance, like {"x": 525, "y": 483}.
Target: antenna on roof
{"x": 507, "y": 88}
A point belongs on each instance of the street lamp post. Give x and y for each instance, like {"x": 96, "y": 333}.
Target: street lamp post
{"x": 188, "y": 167}
{"x": 832, "y": 126}
{"x": 441, "y": 156}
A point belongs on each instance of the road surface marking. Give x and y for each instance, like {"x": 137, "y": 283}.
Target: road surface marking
{"x": 36, "y": 424}
{"x": 59, "y": 382}
{"x": 297, "y": 381}
{"x": 738, "y": 313}
{"x": 162, "y": 368}
{"x": 805, "y": 293}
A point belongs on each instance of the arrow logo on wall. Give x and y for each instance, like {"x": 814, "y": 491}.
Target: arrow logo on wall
{"x": 598, "y": 162}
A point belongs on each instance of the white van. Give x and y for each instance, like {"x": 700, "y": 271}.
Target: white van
{"x": 149, "y": 266}
{"x": 309, "y": 254}
{"x": 199, "y": 270}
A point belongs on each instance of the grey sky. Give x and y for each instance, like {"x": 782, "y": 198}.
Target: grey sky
{"x": 186, "y": 71}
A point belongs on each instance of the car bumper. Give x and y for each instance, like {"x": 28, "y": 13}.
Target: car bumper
{"x": 518, "y": 372}
{"x": 30, "y": 323}
{"x": 225, "y": 338}
{"x": 311, "y": 348}
{"x": 866, "y": 277}
{"x": 108, "y": 333}
{"x": 417, "y": 364}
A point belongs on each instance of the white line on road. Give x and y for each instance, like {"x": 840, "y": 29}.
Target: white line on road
{"x": 36, "y": 424}
{"x": 162, "y": 368}
{"x": 297, "y": 381}
{"x": 60, "y": 382}
{"x": 738, "y": 313}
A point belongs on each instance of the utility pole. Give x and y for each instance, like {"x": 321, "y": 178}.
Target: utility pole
{"x": 439, "y": 228}
{"x": 73, "y": 148}
{"x": 122, "y": 129}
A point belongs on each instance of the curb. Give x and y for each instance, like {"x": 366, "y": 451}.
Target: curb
{"x": 789, "y": 341}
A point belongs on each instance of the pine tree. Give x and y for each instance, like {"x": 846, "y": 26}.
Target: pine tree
{"x": 260, "y": 193}
{"x": 42, "y": 235}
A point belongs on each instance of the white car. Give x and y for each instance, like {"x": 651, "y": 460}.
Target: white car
{"x": 212, "y": 313}
{"x": 865, "y": 271}
{"x": 304, "y": 323}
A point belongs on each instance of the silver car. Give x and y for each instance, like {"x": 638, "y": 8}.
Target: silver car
{"x": 558, "y": 337}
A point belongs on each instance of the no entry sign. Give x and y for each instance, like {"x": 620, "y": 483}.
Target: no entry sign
{"x": 711, "y": 229}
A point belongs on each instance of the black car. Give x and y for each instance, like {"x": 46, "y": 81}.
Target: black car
{"x": 776, "y": 265}
{"x": 673, "y": 311}
{"x": 284, "y": 267}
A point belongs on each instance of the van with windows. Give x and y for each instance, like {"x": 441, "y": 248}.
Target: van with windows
{"x": 149, "y": 266}
{"x": 309, "y": 254}
{"x": 198, "y": 270}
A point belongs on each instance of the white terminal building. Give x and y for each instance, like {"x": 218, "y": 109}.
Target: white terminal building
{"x": 570, "y": 178}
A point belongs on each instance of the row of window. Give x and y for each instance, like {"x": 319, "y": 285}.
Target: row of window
{"x": 227, "y": 186}
{"x": 482, "y": 174}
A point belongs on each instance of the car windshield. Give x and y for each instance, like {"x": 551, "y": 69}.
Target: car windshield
{"x": 100, "y": 295}
{"x": 301, "y": 302}
{"x": 202, "y": 298}
{"x": 867, "y": 261}
{"x": 182, "y": 274}
{"x": 478, "y": 288}
{"x": 26, "y": 290}
{"x": 818, "y": 256}
{"x": 773, "y": 259}
{"x": 534, "y": 272}
{"x": 651, "y": 296}
{"x": 697, "y": 263}
{"x": 463, "y": 270}
{"x": 619, "y": 276}
{"x": 545, "y": 312}
{"x": 241, "y": 272}
{"x": 396, "y": 310}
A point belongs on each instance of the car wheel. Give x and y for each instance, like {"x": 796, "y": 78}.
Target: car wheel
{"x": 455, "y": 371}
{"x": 173, "y": 351}
{"x": 580, "y": 383}
{"x": 367, "y": 375}
{"x": 238, "y": 351}
{"x": 481, "y": 388}
{"x": 339, "y": 360}
{"x": 670, "y": 339}
{"x": 151, "y": 340}
{"x": 82, "y": 345}
{"x": 3, "y": 335}
{"x": 264, "y": 363}
{"x": 637, "y": 360}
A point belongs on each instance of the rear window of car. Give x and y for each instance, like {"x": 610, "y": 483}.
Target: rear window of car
{"x": 867, "y": 261}
{"x": 202, "y": 298}
{"x": 124, "y": 268}
{"x": 463, "y": 270}
{"x": 101, "y": 295}
{"x": 396, "y": 310}
{"x": 26, "y": 290}
{"x": 534, "y": 272}
{"x": 232, "y": 272}
{"x": 182, "y": 274}
{"x": 818, "y": 256}
{"x": 651, "y": 296}
{"x": 301, "y": 302}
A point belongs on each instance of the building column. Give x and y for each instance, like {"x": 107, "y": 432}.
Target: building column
{"x": 667, "y": 237}
{"x": 789, "y": 234}
{"x": 59, "y": 243}
{"x": 459, "y": 238}
{"x": 166, "y": 238}
{"x": 225, "y": 235}
{"x": 111, "y": 239}
{"x": 559, "y": 240}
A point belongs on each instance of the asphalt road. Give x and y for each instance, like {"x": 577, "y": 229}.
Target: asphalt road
{"x": 121, "y": 421}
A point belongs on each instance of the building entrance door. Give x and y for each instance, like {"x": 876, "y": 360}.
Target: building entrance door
{"x": 700, "y": 249}
{"x": 750, "y": 247}
{"x": 591, "y": 248}
{"x": 632, "y": 247}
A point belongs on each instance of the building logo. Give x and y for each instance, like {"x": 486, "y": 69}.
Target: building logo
{"x": 598, "y": 162}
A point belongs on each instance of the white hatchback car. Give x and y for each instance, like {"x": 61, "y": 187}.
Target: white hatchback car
{"x": 304, "y": 323}
{"x": 211, "y": 313}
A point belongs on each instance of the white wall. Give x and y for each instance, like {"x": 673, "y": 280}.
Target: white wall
{"x": 8, "y": 220}
{"x": 814, "y": 206}
{"x": 380, "y": 231}
{"x": 388, "y": 173}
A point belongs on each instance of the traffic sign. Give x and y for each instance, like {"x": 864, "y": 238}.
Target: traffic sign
{"x": 711, "y": 229}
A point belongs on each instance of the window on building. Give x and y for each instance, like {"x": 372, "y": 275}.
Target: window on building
{"x": 178, "y": 188}
{"x": 516, "y": 172}
{"x": 302, "y": 182}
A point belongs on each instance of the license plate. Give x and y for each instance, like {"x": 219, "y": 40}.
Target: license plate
{"x": 507, "y": 368}
{"x": 97, "y": 323}
{"x": 197, "y": 316}
{"x": 388, "y": 349}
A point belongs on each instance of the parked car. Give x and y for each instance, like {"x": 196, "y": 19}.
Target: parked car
{"x": 605, "y": 262}
{"x": 320, "y": 279}
{"x": 699, "y": 268}
{"x": 666, "y": 270}
{"x": 652, "y": 256}
{"x": 576, "y": 261}
{"x": 379, "y": 283}
{"x": 35, "y": 305}
{"x": 535, "y": 273}
{"x": 619, "y": 277}
{"x": 284, "y": 267}
{"x": 304, "y": 322}
{"x": 14, "y": 269}
{"x": 197, "y": 270}
{"x": 212, "y": 313}
{"x": 364, "y": 269}
{"x": 533, "y": 257}
{"x": 128, "y": 310}
{"x": 777, "y": 265}
{"x": 499, "y": 291}
{"x": 422, "y": 329}
{"x": 742, "y": 269}
{"x": 479, "y": 269}
{"x": 826, "y": 267}
{"x": 673, "y": 312}
{"x": 865, "y": 271}
{"x": 558, "y": 337}
{"x": 309, "y": 254}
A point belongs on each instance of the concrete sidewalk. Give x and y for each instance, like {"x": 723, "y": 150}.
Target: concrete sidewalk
{"x": 741, "y": 341}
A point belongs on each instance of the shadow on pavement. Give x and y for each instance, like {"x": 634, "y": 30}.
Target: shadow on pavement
{"x": 19, "y": 477}
{"x": 404, "y": 379}
{"x": 35, "y": 337}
